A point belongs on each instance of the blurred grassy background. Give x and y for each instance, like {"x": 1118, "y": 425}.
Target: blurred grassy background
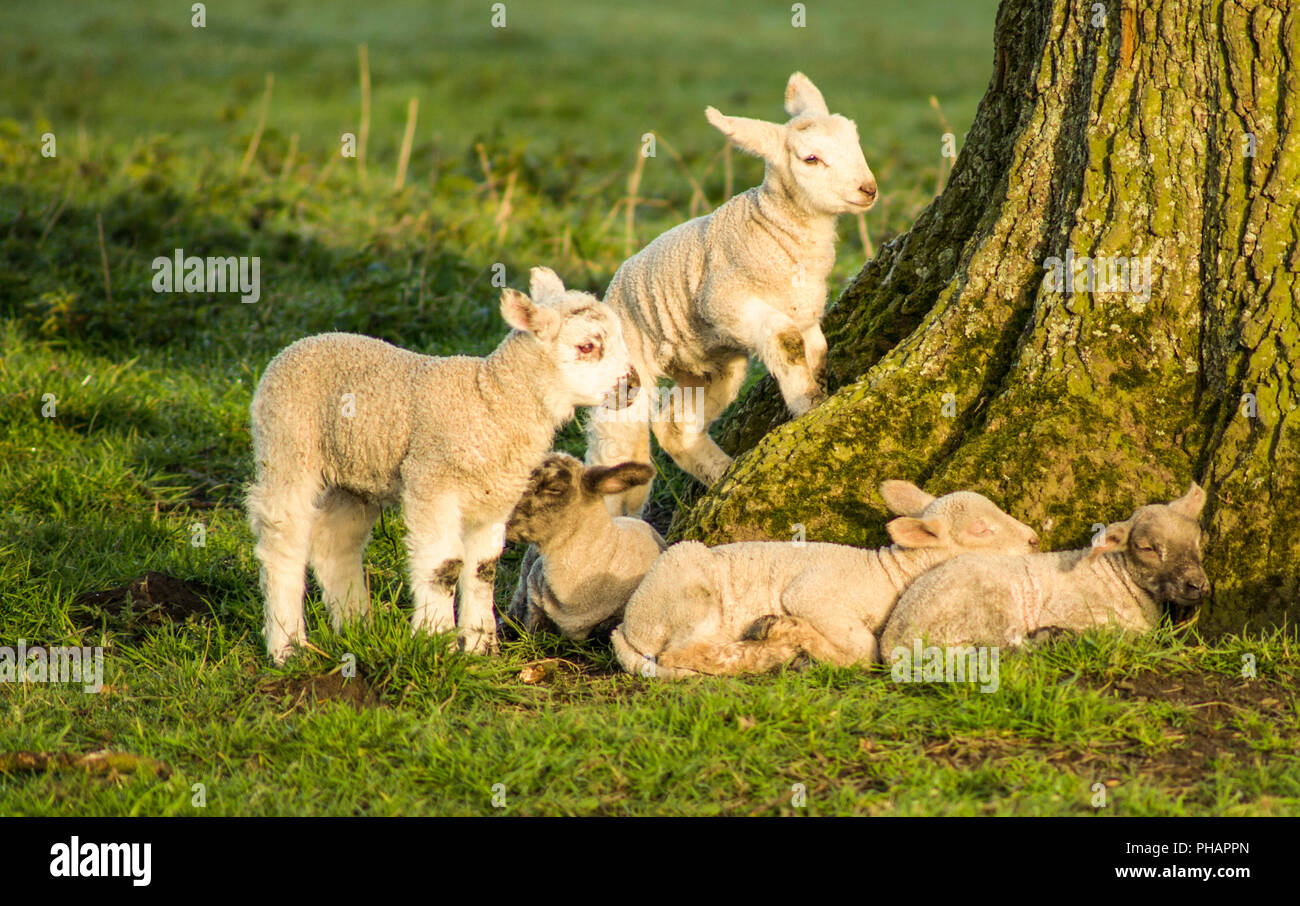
{"x": 584, "y": 77}
{"x": 148, "y": 109}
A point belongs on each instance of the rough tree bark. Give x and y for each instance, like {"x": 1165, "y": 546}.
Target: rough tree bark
{"x": 1165, "y": 131}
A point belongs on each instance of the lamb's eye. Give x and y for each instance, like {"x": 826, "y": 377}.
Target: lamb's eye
{"x": 587, "y": 348}
{"x": 812, "y": 159}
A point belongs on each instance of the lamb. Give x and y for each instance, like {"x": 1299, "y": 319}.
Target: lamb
{"x": 1154, "y": 556}
{"x": 343, "y": 425}
{"x": 749, "y": 278}
{"x": 753, "y": 606}
{"x": 582, "y": 564}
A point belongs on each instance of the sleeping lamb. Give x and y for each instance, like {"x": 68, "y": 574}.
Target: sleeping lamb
{"x": 1153, "y": 556}
{"x": 753, "y": 606}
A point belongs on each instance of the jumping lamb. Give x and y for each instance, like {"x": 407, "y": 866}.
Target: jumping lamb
{"x": 582, "y": 564}
{"x": 749, "y": 278}
{"x": 343, "y": 425}
{"x": 753, "y": 606}
{"x": 1152, "y": 557}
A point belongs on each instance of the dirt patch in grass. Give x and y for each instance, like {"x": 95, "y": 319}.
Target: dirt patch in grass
{"x": 326, "y": 687}
{"x": 102, "y": 763}
{"x": 1213, "y": 709}
{"x": 1207, "y": 727}
{"x": 145, "y": 603}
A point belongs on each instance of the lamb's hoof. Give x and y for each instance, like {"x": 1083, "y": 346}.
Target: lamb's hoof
{"x": 281, "y": 651}
{"x": 802, "y": 405}
{"x": 758, "y": 630}
{"x": 713, "y": 474}
{"x": 477, "y": 641}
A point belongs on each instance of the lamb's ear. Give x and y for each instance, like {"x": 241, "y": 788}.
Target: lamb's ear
{"x": 554, "y": 477}
{"x": 604, "y": 480}
{"x": 522, "y": 313}
{"x": 544, "y": 285}
{"x": 757, "y": 137}
{"x": 1191, "y": 503}
{"x": 908, "y": 531}
{"x": 977, "y": 528}
{"x": 1116, "y": 538}
{"x": 904, "y": 498}
{"x": 802, "y": 96}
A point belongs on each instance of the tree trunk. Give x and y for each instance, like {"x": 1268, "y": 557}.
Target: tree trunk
{"x": 1164, "y": 132}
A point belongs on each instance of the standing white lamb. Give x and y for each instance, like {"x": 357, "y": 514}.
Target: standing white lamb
{"x": 749, "y": 278}
{"x": 753, "y": 606}
{"x": 1154, "y": 556}
{"x": 344, "y": 425}
{"x": 582, "y": 564}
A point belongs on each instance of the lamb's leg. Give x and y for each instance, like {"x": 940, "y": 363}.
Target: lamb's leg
{"x": 436, "y": 559}
{"x": 682, "y": 420}
{"x": 536, "y": 617}
{"x": 338, "y": 546}
{"x": 771, "y": 642}
{"x": 478, "y": 625}
{"x": 783, "y": 646}
{"x": 282, "y": 516}
{"x": 622, "y": 435}
{"x": 843, "y": 644}
{"x": 518, "y": 609}
{"x": 783, "y": 348}
{"x": 817, "y": 618}
{"x": 814, "y": 343}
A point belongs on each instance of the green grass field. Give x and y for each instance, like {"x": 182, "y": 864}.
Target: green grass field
{"x": 124, "y": 437}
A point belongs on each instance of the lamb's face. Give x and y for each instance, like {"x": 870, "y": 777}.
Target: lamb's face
{"x": 1161, "y": 544}
{"x": 579, "y": 335}
{"x": 552, "y": 489}
{"x": 976, "y": 525}
{"x": 962, "y": 522}
{"x": 827, "y": 169}
{"x": 1164, "y": 555}
{"x": 588, "y": 350}
{"x": 815, "y": 158}
{"x": 562, "y": 491}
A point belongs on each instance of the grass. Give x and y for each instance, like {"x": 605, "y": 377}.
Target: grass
{"x": 124, "y": 438}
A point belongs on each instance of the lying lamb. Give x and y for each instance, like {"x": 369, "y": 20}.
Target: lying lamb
{"x": 345, "y": 424}
{"x": 749, "y": 278}
{"x": 1154, "y": 556}
{"x": 753, "y": 606}
{"x": 582, "y": 564}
